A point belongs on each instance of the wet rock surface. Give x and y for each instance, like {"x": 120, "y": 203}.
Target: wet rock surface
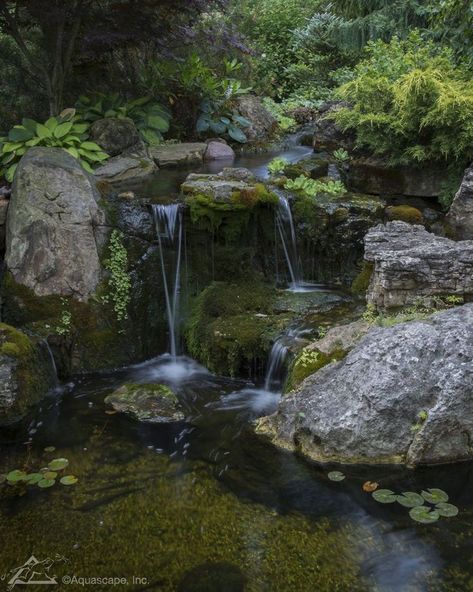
{"x": 121, "y": 170}
{"x": 410, "y": 263}
{"x": 174, "y": 155}
{"x": 460, "y": 215}
{"x": 402, "y": 395}
{"x": 115, "y": 135}
{"x": 150, "y": 403}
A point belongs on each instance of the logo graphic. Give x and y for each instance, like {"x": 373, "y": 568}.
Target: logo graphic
{"x": 33, "y": 572}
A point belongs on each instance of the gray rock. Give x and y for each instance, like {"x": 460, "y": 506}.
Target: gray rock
{"x": 342, "y": 337}
{"x": 149, "y": 403}
{"x": 121, "y": 170}
{"x": 376, "y": 176}
{"x": 219, "y": 151}
{"x": 26, "y": 374}
{"x": 171, "y": 155}
{"x": 327, "y": 135}
{"x": 219, "y": 187}
{"x": 115, "y": 135}
{"x": 263, "y": 124}
{"x": 3, "y": 221}
{"x": 52, "y": 222}
{"x": 402, "y": 395}
{"x": 411, "y": 263}
{"x": 460, "y": 215}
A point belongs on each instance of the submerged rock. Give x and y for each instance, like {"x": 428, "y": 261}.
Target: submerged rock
{"x": 402, "y": 395}
{"x": 173, "y": 155}
{"x": 150, "y": 403}
{"x": 460, "y": 215}
{"x": 52, "y": 225}
{"x": 26, "y": 374}
{"x": 410, "y": 263}
{"x": 115, "y": 135}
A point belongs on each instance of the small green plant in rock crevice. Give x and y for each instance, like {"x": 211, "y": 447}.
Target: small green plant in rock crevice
{"x": 315, "y": 188}
{"x": 421, "y": 419}
{"x": 277, "y": 165}
{"x": 65, "y": 320}
{"x": 119, "y": 282}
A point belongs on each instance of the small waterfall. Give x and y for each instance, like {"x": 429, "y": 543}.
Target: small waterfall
{"x": 276, "y": 366}
{"x": 53, "y": 361}
{"x": 168, "y": 220}
{"x": 287, "y": 234}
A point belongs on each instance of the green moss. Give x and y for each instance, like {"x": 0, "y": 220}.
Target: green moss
{"x": 160, "y": 390}
{"x": 309, "y": 362}
{"x": 14, "y": 343}
{"x": 362, "y": 281}
{"x": 405, "y": 213}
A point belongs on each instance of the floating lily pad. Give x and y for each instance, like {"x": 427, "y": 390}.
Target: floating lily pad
{"x": 370, "y": 486}
{"x": 34, "y": 478}
{"x": 69, "y": 480}
{"x": 435, "y": 496}
{"x": 49, "y": 475}
{"x": 384, "y": 496}
{"x": 410, "y": 499}
{"x": 424, "y": 514}
{"x": 16, "y": 475}
{"x": 50, "y": 449}
{"x": 447, "y": 510}
{"x": 336, "y": 476}
{"x": 44, "y": 483}
{"x": 58, "y": 464}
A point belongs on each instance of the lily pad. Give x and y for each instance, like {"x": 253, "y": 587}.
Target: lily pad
{"x": 384, "y": 496}
{"x": 435, "y": 496}
{"x": 49, "y": 475}
{"x": 336, "y": 476}
{"x": 50, "y": 449}
{"x": 424, "y": 514}
{"x": 410, "y": 499}
{"x": 69, "y": 480}
{"x": 33, "y": 478}
{"x": 58, "y": 464}
{"x": 16, "y": 475}
{"x": 44, "y": 483}
{"x": 447, "y": 510}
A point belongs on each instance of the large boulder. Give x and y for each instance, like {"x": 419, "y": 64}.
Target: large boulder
{"x": 410, "y": 263}
{"x": 149, "y": 403}
{"x": 460, "y": 215}
{"x": 217, "y": 150}
{"x": 115, "y": 135}
{"x": 402, "y": 395}
{"x": 378, "y": 177}
{"x": 26, "y": 374}
{"x": 328, "y": 136}
{"x": 51, "y": 238}
{"x": 175, "y": 155}
{"x": 263, "y": 124}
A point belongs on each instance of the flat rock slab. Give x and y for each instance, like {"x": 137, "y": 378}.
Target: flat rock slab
{"x": 219, "y": 187}
{"x": 173, "y": 155}
{"x": 122, "y": 169}
{"x": 149, "y": 403}
{"x": 402, "y": 395}
{"x": 411, "y": 263}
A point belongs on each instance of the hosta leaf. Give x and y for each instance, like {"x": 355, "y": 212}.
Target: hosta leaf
{"x": 158, "y": 123}
{"x": 11, "y": 172}
{"x": 241, "y": 121}
{"x": 11, "y": 146}
{"x": 72, "y": 151}
{"x": 51, "y": 123}
{"x": 43, "y": 131}
{"x": 435, "y": 496}
{"x": 20, "y": 133}
{"x": 91, "y": 146}
{"x": 30, "y": 124}
{"x": 203, "y": 124}
{"x": 237, "y": 134}
{"x": 80, "y": 128}
{"x": 410, "y": 499}
{"x": 34, "y": 478}
{"x": 151, "y": 136}
{"x": 447, "y": 510}
{"x": 63, "y": 129}
{"x": 87, "y": 166}
{"x": 384, "y": 496}
{"x": 218, "y": 127}
{"x": 424, "y": 514}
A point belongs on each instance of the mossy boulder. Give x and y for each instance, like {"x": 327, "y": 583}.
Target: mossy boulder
{"x": 149, "y": 403}
{"x": 26, "y": 374}
{"x": 405, "y": 213}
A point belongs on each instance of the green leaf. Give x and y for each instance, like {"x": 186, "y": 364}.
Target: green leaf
{"x": 20, "y": 133}
{"x": 69, "y": 480}
{"x": 11, "y": 146}
{"x": 11, "y": 172}
{"x": 44, "y": 483}
{"x": 203, "y": 124}
{"x": 158, "y": 123}
{"x": 242, "y": 121}
{"x": 52, "y": 124}
{"x": 33, "y": 478}
{"x": 336, "y": 476}
{"x": 410, "y": 499}
{"x": 447, "y": 510}
{"x": 151, "y": 136}
{"x": 63, "y": 129}
{"x": 92, "y": 146}
{"x": 435, "y": 496}
{"x": 218, "y": 127}
{"x": 225, "y": 120}
{"x": 67, "y": 114}
{"x": 80, "y": 128}
{"x": 72, "y": 151}
{"x": 58, "y": 464}
{"x": 87, "y": 166}
{"x": 237, "y": 134}
{"x": 50, "y": 475}
{"x": 30, "y": 124}
{"x": 43, "y": 131}
{"x": 16, "y": 475}
{"x": 384, "y": 496}
{"x": 424, "y": 514}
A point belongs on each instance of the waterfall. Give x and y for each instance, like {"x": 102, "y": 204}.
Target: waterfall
{"x": 53, "y": 361}
{"x": 168, "y": 220}
{"x": 287, "y": 234}
{"x": 276, "y": 366}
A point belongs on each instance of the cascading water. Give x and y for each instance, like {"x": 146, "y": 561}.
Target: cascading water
{"x": 276, "y": 366}
{"x": 287, "y": 234}
{"x": 168, "y": 220}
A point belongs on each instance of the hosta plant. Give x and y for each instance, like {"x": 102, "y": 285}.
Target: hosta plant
{"x": 219, "y": 121}
{"x": 151, "y": 118}
{"x": 56, "y": 132}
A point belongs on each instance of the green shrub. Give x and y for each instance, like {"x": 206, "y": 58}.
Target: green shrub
{"x": 56, "y": 132}
{"x": 150, "y": 118}
{"x": 314, "y": 188}
{"x": 410, "y": 102}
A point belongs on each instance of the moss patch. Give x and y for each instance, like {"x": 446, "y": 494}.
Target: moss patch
{"x": 362, "y": 281}
{"x": 405, "y": 213}
{"x": 310, "y": 361}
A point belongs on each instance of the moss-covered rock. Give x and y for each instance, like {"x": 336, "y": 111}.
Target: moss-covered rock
{"x": 26, "y": 374}
{"x": 362, "y": 281}
{"x": 150, "y": 403}
{"x": 405, "y": 213}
